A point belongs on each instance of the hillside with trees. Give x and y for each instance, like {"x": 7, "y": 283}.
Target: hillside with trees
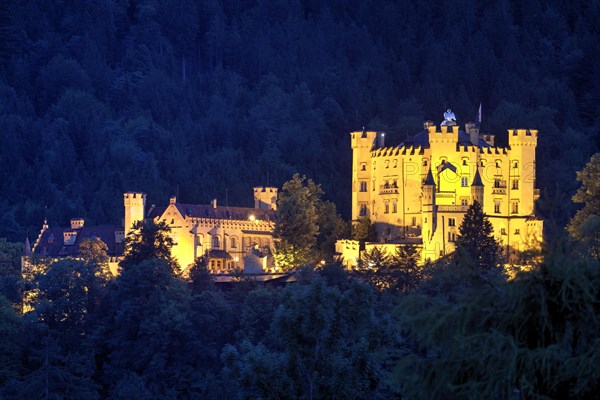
{"x": 210, "y": 98}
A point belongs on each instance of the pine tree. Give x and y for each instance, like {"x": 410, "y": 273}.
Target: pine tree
{"x": 148, "y": 241}
{"x": 476, "y": 241}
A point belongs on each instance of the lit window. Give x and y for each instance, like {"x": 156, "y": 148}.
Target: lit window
{"x": 363, "y": 210}
{"x": 363, "y": 186}
{"x": 464, "y": 181}
{"x": 451, "y": 222}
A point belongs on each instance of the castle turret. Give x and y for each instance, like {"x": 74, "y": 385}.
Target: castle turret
{"x": 135, "y": 204}
{"x": 428, "y": 208}
{"x": 477, "y": 188}
{"x": 265, "y": 198}
{"x": 362, "y": 143}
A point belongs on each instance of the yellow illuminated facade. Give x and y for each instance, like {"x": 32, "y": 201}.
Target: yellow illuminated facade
{"x": 418, "y": 192}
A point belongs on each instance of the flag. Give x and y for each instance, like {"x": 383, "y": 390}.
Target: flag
{"x": 479, "y": 115}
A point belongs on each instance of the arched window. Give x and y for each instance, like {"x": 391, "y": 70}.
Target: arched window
{"x": 233, "y": 242}
{"x": 216, "y": 243}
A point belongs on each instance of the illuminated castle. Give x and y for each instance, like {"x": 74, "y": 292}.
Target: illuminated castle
{"x": 418, "y": 192}
{"x": 229, "y": 237}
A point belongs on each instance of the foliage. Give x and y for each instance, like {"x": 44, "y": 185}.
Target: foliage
{"x": 297, "y": 226}
{"x": 93, "y": 251}
{"x": 585, "y": 225}
{"x": 535, "y": 337}
{"x": 364, "y": 231}
{"x": 148, "y": 241}
{"x": 475, "y": 242}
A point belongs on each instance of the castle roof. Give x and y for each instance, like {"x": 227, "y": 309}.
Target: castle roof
{"x": 51, "y": 242}
{"x": 429, "y": 180}
{"x": 422, "y": 139}
{"x": 224, "y": 212}
{"x": 477, "y": 179}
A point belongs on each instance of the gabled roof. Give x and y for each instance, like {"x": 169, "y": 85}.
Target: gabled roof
{"x": 222, "y": 212}
{"x": 51, "y": 243}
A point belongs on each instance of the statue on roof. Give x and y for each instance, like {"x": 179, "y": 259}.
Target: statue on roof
{"x": 449, "y": 118}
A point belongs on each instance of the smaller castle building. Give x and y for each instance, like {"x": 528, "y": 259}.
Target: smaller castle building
{"x": 229, "y": 237}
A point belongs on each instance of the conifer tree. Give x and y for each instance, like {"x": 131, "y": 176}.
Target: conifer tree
{"x": 148, "y": 241}
{"x": 476, "y": 241}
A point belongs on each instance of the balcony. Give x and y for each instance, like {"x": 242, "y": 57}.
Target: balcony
{"x": 445, "y": 195}
{"x": 499, "y": 190}
{"x": 452, "y": 208}
{"x": 388, "y": 189}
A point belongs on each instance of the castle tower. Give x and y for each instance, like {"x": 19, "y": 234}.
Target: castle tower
{"x": 362, "y": 143}
{"x": 477, "y": 188}
{"x": 265, "y": 198}
{"x": 135, "y": 204}
{"x": 521, "y": 175}
{"x": 428, "y": 209}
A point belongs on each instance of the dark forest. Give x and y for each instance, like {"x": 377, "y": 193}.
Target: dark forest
{"x": 206, "y": 99}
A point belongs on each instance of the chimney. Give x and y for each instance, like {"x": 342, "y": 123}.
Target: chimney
{"x": 77, "y": 223}
{"x": 214, "y": 203}
{"x": 473, "y": 131}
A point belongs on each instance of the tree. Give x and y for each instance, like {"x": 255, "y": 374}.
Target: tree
{"x": 585, "y": 225}
{"x": 364, "y": 231}
{"x": 200, "y": 275}
{"x": 93, "y": 251}
{"x": 148, "y": 241}
{"x": 476, "y": 242}
{"x": 297, "y": 228}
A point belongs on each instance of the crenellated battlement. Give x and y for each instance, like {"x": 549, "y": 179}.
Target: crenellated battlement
{"x": 527, "y": 137}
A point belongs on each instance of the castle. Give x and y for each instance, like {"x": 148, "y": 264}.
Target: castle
{"x": 418, "y": 192}
{"x": 229, "y": 237}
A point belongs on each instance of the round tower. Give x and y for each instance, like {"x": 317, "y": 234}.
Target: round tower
{"x": 135, "y": 204}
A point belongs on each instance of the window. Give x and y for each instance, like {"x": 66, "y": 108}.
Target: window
{"x": 464, "y": 181}
{"x": 497, "y": 206}
{"x": 363, "y": 210}
{"x": 464, "y": 201}
{"x": 233, "y": 243}
{"x": 394, "y": 206}
{"x": 373, "y": 185}
{"x": 395, "y": 163}
{"x": 414, "y": 221}
{"x": 363, "y": 166}
{"x": 451, "y": 222}
{"x": 517, "y": 231}
{"x": 363, "y": 186}
{"x": 515, "y": 165}
{"x": 216, "y": 243}
{"x": 374, "y": 165}
{"x": 464, "y": 161}
{"x": 424, "y": 163}
{"x": 451, "y": 237}
{"x": 514, "y": 207}
{"x": 515, "y": 184}
{"x": 496, "y": 183}
{"x": 387, "y": 164}
{"x": 425, "y": 219}
{"x": 387, "y": 207}
{"x": 497, "y": 164}
{"x": 503, "y": 231}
